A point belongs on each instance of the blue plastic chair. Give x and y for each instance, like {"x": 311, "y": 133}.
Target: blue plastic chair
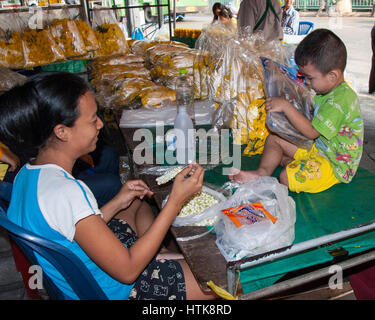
{"x": 305, "y": 27}
{"x": 71, "y": 268}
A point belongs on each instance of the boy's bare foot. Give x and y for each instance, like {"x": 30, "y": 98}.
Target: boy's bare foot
{"x": 245, "y": 176}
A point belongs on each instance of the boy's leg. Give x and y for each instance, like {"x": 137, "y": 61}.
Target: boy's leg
{"x": 276, "y": 151}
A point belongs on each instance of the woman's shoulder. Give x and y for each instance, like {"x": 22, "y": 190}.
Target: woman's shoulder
{"x": 55, "y": 182}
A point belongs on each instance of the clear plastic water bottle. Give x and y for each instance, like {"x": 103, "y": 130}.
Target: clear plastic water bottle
{"x": 184, "y": 93}
{"x": 183, "y": 124}
{"x": 185, "y": 137}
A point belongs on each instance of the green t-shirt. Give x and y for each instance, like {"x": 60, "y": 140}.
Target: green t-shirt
{"x": 338, "y": 119}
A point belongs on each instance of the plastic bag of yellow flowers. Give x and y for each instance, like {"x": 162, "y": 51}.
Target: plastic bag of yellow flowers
{"x": 88, "y": 35}
{"x": 24, "y": 47}
{"x": 156, "y": 96}
{"x": 68, "y": 37}
{"x": 240, "y": 96}
{"x": 11, "y": 46}
{"x": 40, "y": 48}
{"x": 11, "y": 49}
{"x": 110, "y": 37}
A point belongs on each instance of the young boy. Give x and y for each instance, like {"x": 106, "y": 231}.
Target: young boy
{"x": 337, "y": 125}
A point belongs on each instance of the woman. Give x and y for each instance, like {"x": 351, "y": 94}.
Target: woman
{"x": 56, "y": 114}
{"x": 216, "y": 8}
{"x": 225, "y": 14}
{"x": 226, "y": 17}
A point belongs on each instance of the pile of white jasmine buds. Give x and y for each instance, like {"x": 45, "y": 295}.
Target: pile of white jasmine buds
{"x": 168, "y": 176}
{"x": 197, "y": 204}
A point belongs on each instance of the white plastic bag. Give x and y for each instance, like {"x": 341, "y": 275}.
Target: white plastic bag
{"x": 238, "y": 242}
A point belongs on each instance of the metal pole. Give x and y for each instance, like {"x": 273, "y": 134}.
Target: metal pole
{"x": 306, "y": 278}
{"x": 297, "y": 248}
{"x": 174, "y": 15}
{"x": 231, "y": 280}
{"x": 160, "y": 14}
{"x": 85, "y": 10}
{"x": 307, "y": 245}
{"x": 128, "y": 19}
{"x": 169, "y": 20}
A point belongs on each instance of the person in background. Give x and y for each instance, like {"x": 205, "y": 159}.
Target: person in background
{"x": 226, "y": 17}
{"x": 225, "y": 14}
{"x": 371, "y": 85}
{"x": 100, "y": 171}
{"x": 56, "y": 115}
{"x": 260, "y": 16}
{"x": 327, "y": 4}
{"x": 324, "y": 4}
{"x": 216, "y": 8}
{"x": 290, "y": 19}
{"x": 337, "y": 125}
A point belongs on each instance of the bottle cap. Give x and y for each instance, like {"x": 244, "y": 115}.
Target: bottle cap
{"x": 182, "y": 71}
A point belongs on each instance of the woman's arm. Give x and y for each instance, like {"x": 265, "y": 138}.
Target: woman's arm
{"x": 125, "y": 265}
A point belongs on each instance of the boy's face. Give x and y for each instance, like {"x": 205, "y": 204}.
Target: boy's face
{"x": 316, "y": 80}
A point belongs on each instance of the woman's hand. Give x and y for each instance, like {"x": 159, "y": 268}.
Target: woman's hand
{"x": 188, "y": 182}
{"x": 133, "y": 189}
{"x": 277, "y": 104}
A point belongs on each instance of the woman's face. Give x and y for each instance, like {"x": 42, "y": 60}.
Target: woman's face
{"x": 222, "y": 18}
{"x": 85, "y": 131}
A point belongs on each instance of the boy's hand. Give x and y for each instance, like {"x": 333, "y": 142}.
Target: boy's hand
{"x": 277, "y": 104}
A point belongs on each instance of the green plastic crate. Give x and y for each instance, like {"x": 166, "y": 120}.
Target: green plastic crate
{"x": 73, "y": 66}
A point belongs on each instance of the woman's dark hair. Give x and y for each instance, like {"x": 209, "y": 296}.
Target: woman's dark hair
{"x": 323, "y": 49}
{"x": 29, "y": 113}
{"x": 225, "y": 12}
{"x": 217, "y": 5}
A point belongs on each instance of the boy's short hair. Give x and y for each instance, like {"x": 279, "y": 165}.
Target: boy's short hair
{"x": 323, "y": 49}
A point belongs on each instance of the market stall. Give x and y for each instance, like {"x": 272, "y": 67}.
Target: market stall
{"x": 231, "y": 77}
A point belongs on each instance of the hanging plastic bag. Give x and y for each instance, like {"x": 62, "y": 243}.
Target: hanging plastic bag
{"x": 162, "y": 34}
{"x": 67, "y": 35}
{"x": 251, "y": 239}
{"x": 279, "y": 82}
{"x": 137, "y": 34}
{"x": 109, "y": 34}
{"x": 39, "y": 47}
{"x": 88, "y": 35}
{"x": 238, "y": 90}
{"x": 11, "y": 45}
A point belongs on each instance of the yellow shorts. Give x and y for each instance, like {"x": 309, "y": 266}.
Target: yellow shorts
{"x": 310, "y": 172}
